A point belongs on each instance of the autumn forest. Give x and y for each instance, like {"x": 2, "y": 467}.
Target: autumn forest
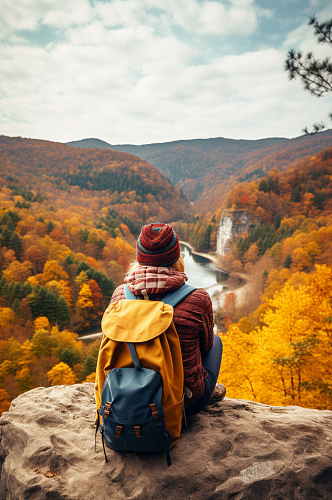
{"x": 69, "y": 219}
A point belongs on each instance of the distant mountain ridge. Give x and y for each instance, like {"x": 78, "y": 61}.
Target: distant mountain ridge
{"x": 134, "y": 148}
{"x": 186, "y": 161}
{"x": 210, "y": 167}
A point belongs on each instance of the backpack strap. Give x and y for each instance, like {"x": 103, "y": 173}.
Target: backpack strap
{"x": 128, "y": 294}
{"x": 172, "y": 298}
{"x": 133, "y": 354}
{"x": 175, "y": 296}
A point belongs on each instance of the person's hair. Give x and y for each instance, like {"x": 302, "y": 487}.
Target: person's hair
{"x": 178, "y": 266}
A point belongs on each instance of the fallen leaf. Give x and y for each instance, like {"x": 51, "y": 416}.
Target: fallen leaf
{"x": 50, "y": 474}
{"x": 37, "y": 470}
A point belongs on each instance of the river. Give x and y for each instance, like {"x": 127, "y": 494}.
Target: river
{"x": 201, "y": 272}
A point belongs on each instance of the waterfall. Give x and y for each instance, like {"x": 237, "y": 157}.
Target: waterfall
{"x": 224, "y": 233}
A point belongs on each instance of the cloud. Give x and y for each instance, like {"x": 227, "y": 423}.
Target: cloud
{"x": 221, "y": 18}
{"x": 146, "y": 91}
{"x": 73, "y": 13}
{"x": 138, "y": 72}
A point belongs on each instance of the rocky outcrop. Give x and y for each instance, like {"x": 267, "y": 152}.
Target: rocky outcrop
{"x": 233, "y": 223}
{"x": 232, "y": 450}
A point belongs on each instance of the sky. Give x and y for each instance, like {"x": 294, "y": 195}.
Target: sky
{"x": 146, "y": 71}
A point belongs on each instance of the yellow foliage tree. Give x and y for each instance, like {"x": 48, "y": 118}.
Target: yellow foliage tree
{"x": 289, "y": 359}
{"x": 65, "y": 338}
{"x": 61, "y": 374}
{"x": 42, "y": 323}
{"x": 301, "y": 259}
{"x": 24, "y": 379}
{"x": 7, "y": 317}
{"x": 62, "y": 288}
{"x": 81, "y": 279}
{"x": 84, "y": 297}
{"x": 90, "y": 378}
{"x": 18, "y": 271}
{"x": 33, "y": 281}
{"x": 53, "y": 271}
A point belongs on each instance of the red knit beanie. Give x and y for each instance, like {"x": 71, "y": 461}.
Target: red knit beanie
{"x": 157, "y": 245}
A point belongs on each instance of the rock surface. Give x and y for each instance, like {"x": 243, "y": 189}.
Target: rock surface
{"x": 233, "y": 450}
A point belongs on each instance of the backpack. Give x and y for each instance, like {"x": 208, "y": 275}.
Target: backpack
{"x": 139, "y": 376}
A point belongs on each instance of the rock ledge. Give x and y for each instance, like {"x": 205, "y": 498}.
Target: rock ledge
{"x": 233, "y": 450}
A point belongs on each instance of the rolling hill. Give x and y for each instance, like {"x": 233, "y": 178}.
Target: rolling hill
{"x": 93, "y": 176}
{"x": 207, "y": 168}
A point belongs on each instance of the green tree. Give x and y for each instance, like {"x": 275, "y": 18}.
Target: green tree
{"x": 262, "y": 186}
{"x": 288, "y": 261}
{"x": 90, "y": 361}
{"x": 70, "y": 355}
{"x": 63, "y": 311}
{"x": 42, "y": 343}
{"x": 277, "y": 221}
{"x": 296, "y": 194}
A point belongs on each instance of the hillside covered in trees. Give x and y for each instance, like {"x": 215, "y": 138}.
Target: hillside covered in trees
{"x": 286, "y": 203}
{"x": 280, "y": 351}
{"x": 67, "y": 235}
{"x": 94, "y": 177}
{"x": 69, "y": 220}
{"x": 206, "y": 169}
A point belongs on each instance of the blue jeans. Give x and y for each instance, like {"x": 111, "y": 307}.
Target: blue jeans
{"x": 211, "y": 362}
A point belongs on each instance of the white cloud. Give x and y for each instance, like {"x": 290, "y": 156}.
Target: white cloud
{"x": 122, "y": 72}
{"x": 65, "y": 14}
{"x": 206, "y": 17}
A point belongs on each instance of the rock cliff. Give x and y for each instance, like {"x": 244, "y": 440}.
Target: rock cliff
{"x": 233, "y": 450}
{"x": 233, "y": 223}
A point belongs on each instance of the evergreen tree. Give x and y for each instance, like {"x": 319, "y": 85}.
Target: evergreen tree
{"x": 70, "y": 355}
{"x": 45, "y": 303}
{"x": 16, "y": 306}
{"x": 6, "y": 235}
{"x": 50, "y": 227}
{"x": 207, "y": 237}
{"x": 319, "y": 200}
{"x": 296, "y": 194}
{"x": 315, "y": 74}
{"x": 16, "y": 244}
{"x": 262, "y": 186}
{"x": 89, "y": 366}
{"x": 288, "y": 261}
{"x": 62, "y": 312}
{"x": 277, "y": 221}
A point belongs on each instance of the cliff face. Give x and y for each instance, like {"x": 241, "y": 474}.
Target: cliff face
{"x": 232, "y": 224}
{"x": 233, "y": 450}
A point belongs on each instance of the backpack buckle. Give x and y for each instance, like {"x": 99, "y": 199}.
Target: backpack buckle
{"x": 118, "y": 431}
{"x": 137, "y": 429}
{"x": 154, "y": 410}
{"x": 107, "y": 408}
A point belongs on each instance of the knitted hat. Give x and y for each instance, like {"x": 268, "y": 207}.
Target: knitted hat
{"x": 157, "y": 245}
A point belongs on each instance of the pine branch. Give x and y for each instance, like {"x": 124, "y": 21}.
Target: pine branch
{"x": 315, "y": 74}
{"x": 322, "y": 30}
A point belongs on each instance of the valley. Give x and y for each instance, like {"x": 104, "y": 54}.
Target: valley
{"x": 69, "y": 220}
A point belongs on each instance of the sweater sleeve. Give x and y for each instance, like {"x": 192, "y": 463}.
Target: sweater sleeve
{"x": 207, "y": 324}
{"x": 194, "y": 319}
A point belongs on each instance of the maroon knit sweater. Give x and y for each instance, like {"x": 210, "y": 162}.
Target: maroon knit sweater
{"x": 193, "y": 319}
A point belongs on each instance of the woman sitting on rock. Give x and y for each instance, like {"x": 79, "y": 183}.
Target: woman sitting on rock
{"x": 159, "y": 270}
